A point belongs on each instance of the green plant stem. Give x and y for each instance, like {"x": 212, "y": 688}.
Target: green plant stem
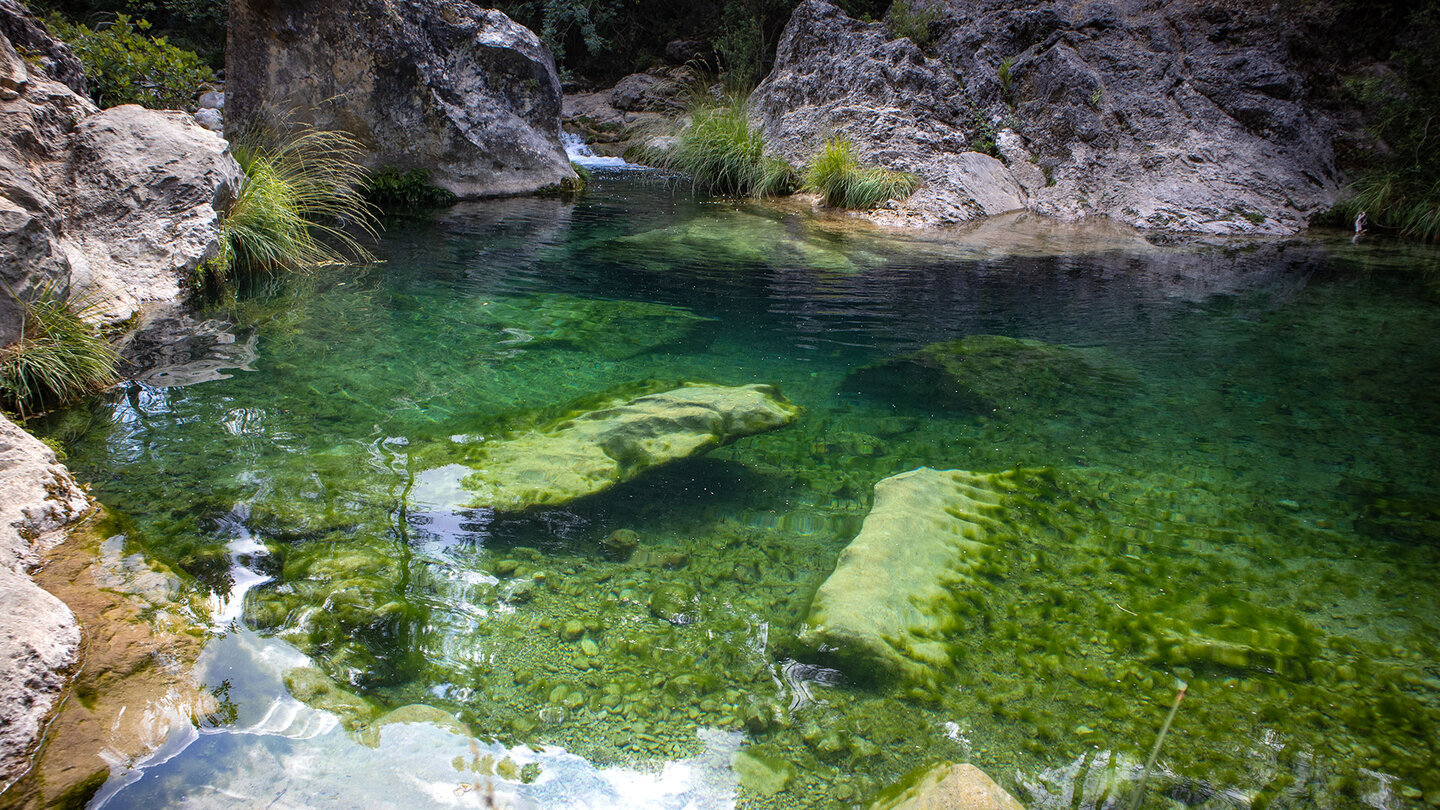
{"x": 1139, "y": 795}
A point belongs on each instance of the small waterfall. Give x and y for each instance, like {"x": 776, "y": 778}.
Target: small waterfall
{"x": 581, "y": 154}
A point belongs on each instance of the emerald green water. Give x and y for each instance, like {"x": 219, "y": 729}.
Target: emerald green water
{"x": 1248, "y": 504}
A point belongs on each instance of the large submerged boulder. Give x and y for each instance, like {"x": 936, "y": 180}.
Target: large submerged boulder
{"x": 39, "y": 637}
{"x": 459, "y": 90}
{"x": 117, "y": 208}
{"x": 946, "y": 786}
{"x": 594, "y": 451}
{"x": 1186, "y": 116}
{"x": 894, "y": 600}
{"x": 993, "y": 375}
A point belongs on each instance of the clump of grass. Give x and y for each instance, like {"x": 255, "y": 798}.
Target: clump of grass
{"x": 837, "y": 175}
{"x": 913, "y": 21}
{"x": 300, "y": 193}
{"x": 1400, "y": 200}
{"x": 59, "y": 357}
{"x": 391, "y": 188}
{"x": 726, "y": 155}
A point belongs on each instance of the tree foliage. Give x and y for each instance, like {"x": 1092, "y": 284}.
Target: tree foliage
{"x": 123, "y": 65}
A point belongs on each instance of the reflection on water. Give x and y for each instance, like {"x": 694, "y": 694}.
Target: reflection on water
{"x": 1250, "y": 506}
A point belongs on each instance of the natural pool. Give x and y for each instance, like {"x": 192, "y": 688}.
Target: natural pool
{"x": 1246, "y": 500}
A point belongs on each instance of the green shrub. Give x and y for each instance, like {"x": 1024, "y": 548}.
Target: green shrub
{"x": 837, "y": 175}
{"x": 296, "y": 201}
{"x": 725, "y": 155}
{"x": 392, "y": 188}
{"x": 910, "y": 19}
{"x": 124, "y": 66}
{"x": 59, "y": 357}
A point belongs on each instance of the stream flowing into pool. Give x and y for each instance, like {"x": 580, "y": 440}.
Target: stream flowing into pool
{"x": 1247, "y": 500}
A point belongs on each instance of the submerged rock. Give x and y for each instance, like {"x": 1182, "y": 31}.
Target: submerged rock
{"x": 947, "y": 787}
{"x": 988, "y": 374}
{"x": 893, "y": 601}
{"x": 593, "y": 451}
{"x": 615, "y": 330}
{"x": 760, "y": 769}
{"x": 451, "y": 87}
{"x": 743, "y": 240}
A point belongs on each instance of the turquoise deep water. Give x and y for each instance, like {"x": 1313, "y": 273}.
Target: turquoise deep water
{"x": 1246, "y": 500}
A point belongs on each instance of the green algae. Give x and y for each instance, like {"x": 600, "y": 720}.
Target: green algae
{"x": 1202, "y": 524}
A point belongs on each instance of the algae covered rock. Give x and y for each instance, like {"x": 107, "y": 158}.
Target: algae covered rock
{"x": 741, "y": 240}
{"x": 987, "y": 374}
{"x": 591, "y": 452}
{"x": 896, "y": 593}
{"x": 947, "y": 787}
{"x": 615, "y": 330}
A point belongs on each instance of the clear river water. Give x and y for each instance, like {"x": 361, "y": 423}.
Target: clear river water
{"x": 1246, "y": 500}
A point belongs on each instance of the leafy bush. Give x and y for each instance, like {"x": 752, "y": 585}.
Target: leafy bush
{"x": 725, "y": 155}
{"x": 392, "y": 188}
{"x": 907, "y": 18}
{"x": 837, "y": 175}
{"x": 298, "y": 197}
{"x": 125, "y": 66}
{"x": 60, "y": 356}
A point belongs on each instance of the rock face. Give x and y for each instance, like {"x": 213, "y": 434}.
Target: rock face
{"x": 117, "y": 207}
{"x": 900, "y": 109}
{"x": 1185, "y": 116}
{"x": 948, "y": 787}
{"x": 598, "y": 449}
{"x": 889, "y": 607}
{"x": 459, "y": 90}
{"x": 39, "y": 636}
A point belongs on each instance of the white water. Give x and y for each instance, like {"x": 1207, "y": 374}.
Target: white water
{"x": 582, "y": 155}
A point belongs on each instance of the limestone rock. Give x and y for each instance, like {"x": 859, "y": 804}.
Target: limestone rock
{"x": 891, "y": 604}
{"x": 1182, "y": 116}
{"x": 50, "y": 55}
{"x": 451, "y": 87}
{"x": 39, "y": 636}
{"x": 616, "y": 330}
{"x": 992, "y": 375}
{"x": 591, "y": 452}
{"x": 116, "y": 206}
{"x": 835, "y": 76}
{"x": 948, "y": 787}
{"x": 144, "y": 190}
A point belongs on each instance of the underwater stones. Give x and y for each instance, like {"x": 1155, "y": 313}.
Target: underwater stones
{"x": 675, "y": 602}
{"x": 762, "y": 770}
{"x": 893, "y": 598}
{"x": 615, "y": 330}
{"x": 620, "y": 543}
{"x": 1223, "y": 632}
{"x": 985, "y": 374}
{"x": 572, "y": 630}
{"x": 314, "y": 688}
{"x": 739, "y": 240}
{"x": 593, "y": 451}
{"x": 947, "y": 787}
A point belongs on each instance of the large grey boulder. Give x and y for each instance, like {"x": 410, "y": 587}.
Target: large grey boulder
{"x": 838, "y": 77}
{"x": 447, "y": 86}
{"x": 1183, "y": 116}
{"x": 142, "y": 193}
{"x": 116, "y": 207}
{"x": 38, "y": 636}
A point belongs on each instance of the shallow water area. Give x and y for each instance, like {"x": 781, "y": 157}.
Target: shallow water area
{"x": 1227, "y": 478}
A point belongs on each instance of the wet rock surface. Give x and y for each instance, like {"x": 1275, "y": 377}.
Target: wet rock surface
{"x": 1181, "y": 116}
{"x": 595, "y": 450}
{"x": 39, "y": 637}
{"x": 454, "y": 88}
{"x": 948, "y": 787}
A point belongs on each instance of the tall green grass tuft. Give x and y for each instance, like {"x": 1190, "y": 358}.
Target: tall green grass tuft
{"x": 1404, "y": 201}
{"x": 836, "y": 174}
{"x": 59, "y": 357}
{"x": 301, "y": 193}
{"x": 725, "y": 155}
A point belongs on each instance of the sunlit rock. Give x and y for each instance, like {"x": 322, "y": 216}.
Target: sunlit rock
{"x": 947, "y": 787}
{"x": 897, "y": 591}
{"x": 591, "y": 452}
